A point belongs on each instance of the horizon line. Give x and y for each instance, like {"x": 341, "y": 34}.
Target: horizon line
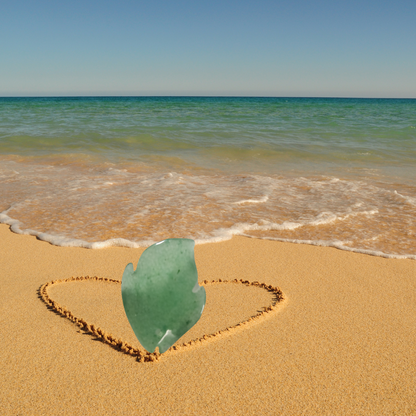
{"x": 204, "y": 96}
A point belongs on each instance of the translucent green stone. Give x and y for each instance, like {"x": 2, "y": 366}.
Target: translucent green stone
{"x": 162, "y": 297}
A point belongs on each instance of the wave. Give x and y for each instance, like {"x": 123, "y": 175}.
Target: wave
{"x": 104, "y": 205}
{"x": 253, "y": 201}
{"x": 339, "y": 245}
{"x": 220, "y": 235}
{"x": 408, "y": 199}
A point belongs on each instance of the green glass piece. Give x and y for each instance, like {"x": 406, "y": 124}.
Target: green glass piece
{"x": 162, "y": 297}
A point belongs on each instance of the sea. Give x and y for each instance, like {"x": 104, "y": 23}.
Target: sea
{"x": 96, "y": 172}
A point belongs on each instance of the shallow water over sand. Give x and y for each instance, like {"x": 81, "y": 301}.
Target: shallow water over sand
{"x": 129, "y": 172}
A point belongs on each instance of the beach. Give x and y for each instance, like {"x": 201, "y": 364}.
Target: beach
{"x": 303, "y": 215}
{"x": 208, "y": 208}
{"x": 340, "y": 342}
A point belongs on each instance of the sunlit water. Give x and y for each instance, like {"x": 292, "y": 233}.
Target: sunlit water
{"x": 96, "y": 172}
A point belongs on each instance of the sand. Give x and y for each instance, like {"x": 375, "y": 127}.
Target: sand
{"x": 342, "y": 342}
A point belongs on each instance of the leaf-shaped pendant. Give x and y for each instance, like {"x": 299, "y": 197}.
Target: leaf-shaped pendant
{"x": 162, "y": 298}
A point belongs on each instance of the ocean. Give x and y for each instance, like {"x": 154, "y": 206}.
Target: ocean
{"x": 130, "y": 171}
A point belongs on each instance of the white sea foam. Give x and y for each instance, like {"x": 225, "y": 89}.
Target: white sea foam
{"x": 221, "y": 235}
{"x": 62, "y": 241}
{"x": 340, "y": 245}
{"x": 265, "y": 198}
{"x": 97, "y": 208}
{"x": 408, "y": 199}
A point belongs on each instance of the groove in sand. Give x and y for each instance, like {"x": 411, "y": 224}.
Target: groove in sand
{"x": 144, "y": 356}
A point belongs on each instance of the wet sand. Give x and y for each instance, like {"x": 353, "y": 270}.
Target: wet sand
{"x": 342, "y": 342}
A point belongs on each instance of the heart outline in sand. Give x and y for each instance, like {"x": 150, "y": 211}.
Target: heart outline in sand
{"x": 145, "y": 356}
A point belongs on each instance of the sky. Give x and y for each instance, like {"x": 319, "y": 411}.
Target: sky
{"x": 318, "y": 48}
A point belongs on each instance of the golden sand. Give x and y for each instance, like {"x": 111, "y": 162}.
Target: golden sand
{"x": 342, "y": 342}
{"x": 104, "y": 304}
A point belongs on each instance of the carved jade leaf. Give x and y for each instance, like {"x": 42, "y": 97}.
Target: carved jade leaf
{"x": 162, "y": 297}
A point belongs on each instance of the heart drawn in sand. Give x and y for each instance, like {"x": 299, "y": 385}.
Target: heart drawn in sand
{"x": 275, "y": 298}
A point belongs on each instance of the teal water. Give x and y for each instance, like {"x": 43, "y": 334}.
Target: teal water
{"x": 133, "y": 170}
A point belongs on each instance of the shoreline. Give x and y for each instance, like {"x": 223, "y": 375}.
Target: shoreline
{"x": 58, "y": 241}
{"x": 342, "y": 344}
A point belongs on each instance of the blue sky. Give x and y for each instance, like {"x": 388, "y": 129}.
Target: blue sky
{"x": 343, "y": 48}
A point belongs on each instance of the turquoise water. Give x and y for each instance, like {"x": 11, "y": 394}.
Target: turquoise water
{"x": 129, "y": 171}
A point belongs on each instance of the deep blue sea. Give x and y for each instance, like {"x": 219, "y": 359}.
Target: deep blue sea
{"x": 130, "y": 171}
